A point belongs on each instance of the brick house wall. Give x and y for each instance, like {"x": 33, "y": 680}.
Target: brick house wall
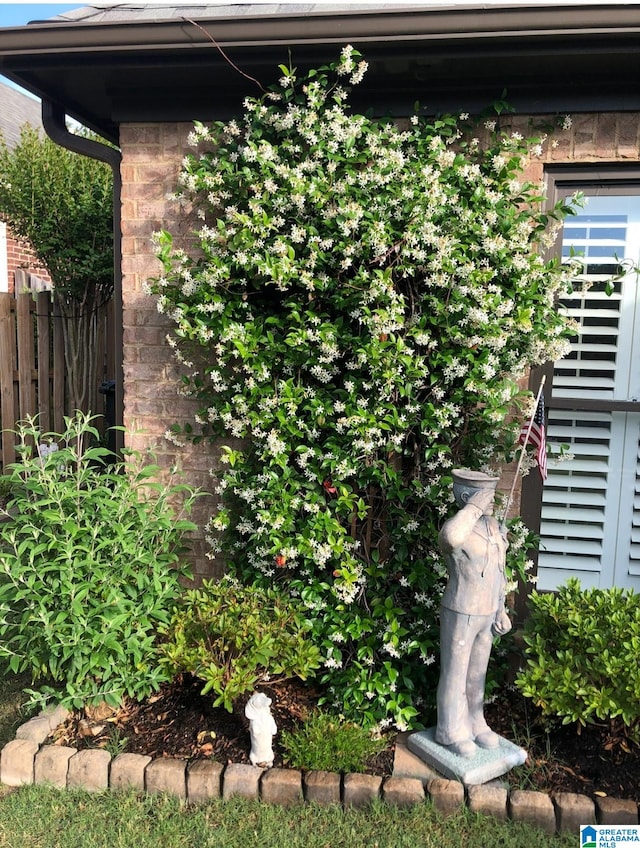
{"x": 151, "y": 158}
{"x": 20, "y": 255}
{"x": 152, "y": 155}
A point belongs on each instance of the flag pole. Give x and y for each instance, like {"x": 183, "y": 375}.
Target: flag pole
{"x": 524, "y": 447}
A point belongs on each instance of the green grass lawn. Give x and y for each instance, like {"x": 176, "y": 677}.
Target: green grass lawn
{"x": 41, "y": 817}
{"x": 38, "y": 817}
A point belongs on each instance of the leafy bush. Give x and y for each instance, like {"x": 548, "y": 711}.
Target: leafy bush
{"x": 233, "y": 637}
{"x": 5, "y": 488}
{"x": 327, "y": 743}
{"x": 88, "y": 566}
{"x": 62, "y": 204}
{"x": 582, "y": 649}
{"x": 362, "y": 301}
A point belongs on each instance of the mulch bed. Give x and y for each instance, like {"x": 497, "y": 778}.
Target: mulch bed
{"x": 596, "y": 760}
{"x": 179, "y": 722}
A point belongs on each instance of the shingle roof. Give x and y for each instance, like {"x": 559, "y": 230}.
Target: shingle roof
{"x": 17, "y": 109}
{"x": 111, "y": 12}
{"x": 114, "y": 63}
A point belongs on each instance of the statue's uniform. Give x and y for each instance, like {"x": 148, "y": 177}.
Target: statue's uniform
{"x": 473, "y": 598}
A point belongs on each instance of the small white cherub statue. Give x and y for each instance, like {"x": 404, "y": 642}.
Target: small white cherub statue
{"x": 262, "y": 728}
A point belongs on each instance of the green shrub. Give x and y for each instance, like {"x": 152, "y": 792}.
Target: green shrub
{"x": 582, "y": 649}
{"x": 353, "y": 316}
{"x": 233, "y": 637}
{"x": 87, "y": 566}
{"x": 327, "y": 743}
{"x": 5, "y": 488}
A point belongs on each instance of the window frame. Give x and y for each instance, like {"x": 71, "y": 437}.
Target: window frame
{"x": 562, "y": 181}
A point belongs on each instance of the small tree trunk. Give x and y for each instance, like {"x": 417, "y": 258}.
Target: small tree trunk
{"x": 83, "y": 322}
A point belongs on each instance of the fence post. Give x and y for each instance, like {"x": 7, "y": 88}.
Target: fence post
{"x": 43, "y": 341}
{"x": 7, "y": 397}
{"x": 59, "y": 371}
{"x": 26, "y": 352}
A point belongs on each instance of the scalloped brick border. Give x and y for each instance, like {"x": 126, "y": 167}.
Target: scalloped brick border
{"x": 27, "y": 760}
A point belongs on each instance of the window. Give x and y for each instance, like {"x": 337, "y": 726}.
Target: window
{"x": 590, "y": 504}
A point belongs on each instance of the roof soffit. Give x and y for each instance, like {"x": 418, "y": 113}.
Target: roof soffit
{"x": 104, "y": 73}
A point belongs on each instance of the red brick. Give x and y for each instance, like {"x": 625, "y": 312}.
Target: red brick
{"x": 628, "y": 126}
{"x": 139, "y": 134}
{"x": 606, "y": 136}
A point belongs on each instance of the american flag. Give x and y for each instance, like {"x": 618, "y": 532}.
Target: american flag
{"x": 537, "y": 438}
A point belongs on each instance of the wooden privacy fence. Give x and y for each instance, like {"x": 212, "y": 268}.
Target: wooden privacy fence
{"x": 33, "y": 375}
{"x": 32, "y": 370}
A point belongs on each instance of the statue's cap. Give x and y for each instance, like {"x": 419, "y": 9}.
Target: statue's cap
{"x": 474, "y": 479}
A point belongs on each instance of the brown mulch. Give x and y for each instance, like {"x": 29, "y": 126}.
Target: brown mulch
{"x": 179, "y": 722}
{"x": 596, "y": 760}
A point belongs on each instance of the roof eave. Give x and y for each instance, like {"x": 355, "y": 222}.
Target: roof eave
{"x": 104, "y": 74}
{"x": 387, "y": 25}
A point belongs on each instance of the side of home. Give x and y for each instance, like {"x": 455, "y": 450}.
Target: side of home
{"x": 456, "y": 58}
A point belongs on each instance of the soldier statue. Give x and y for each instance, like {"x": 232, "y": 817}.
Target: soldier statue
{"x": 473, "y": 610}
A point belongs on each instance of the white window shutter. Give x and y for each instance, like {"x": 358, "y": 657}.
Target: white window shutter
{"x": 590, "y": 519}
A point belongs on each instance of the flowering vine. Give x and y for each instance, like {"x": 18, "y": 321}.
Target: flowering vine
{"x": 363, "y": 299}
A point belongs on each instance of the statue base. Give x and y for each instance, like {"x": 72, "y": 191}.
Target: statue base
{"x": 487, "y": 764}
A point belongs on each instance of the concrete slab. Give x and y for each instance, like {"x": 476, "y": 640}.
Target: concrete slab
{"x": 486, "y": 765}
{"x": 407, "y": 764}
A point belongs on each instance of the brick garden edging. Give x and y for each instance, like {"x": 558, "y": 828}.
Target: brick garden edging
{"x": 27, "y": 760}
